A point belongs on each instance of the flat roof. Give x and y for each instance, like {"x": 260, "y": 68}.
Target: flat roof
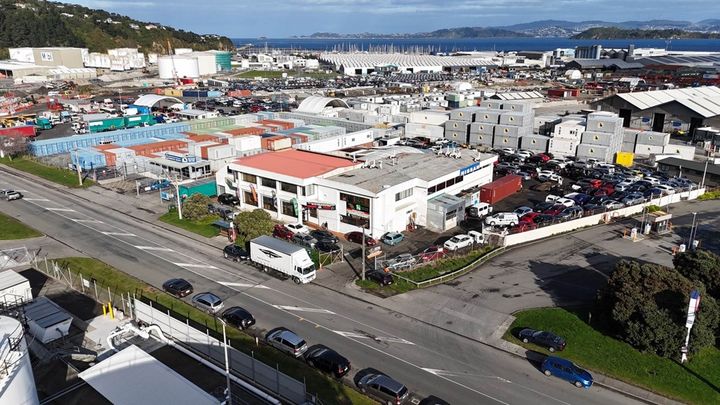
{"x": 45, "y": 313}
{"x": 295, "y": 163}
{"x": 132, "y": 377}
{"x": 423, "y": 166}
{"x": 10, "y": 278}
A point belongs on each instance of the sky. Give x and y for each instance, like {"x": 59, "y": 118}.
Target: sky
{"x": 285, "y": 18}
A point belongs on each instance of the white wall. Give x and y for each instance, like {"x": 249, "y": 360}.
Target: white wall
{"x": 427, "y": 130}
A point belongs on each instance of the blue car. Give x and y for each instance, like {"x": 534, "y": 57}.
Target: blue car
{"x": 392, "y": 238}
{"x": 566, "y": 370}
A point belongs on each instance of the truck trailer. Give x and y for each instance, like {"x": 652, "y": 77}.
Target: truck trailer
{"x": 287, "y": 259}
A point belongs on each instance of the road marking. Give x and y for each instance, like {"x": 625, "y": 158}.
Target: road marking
{"x": 118, "y": 234}
{"x": 59, "y": 209}
{"x": 36, "y": 199}
{"x": 158, "y": 248}
{"x": 301, "y": 309}
{"x": 88, "y": 221}
{"x": 197, "y": 266}
{"x": 244, "y": 285}
{"x": 375, "y": 338}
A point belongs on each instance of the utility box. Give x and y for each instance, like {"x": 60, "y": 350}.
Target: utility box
{"x": 46, "y": 320}
{"x": 624, "y": 159}
{"x": 14, "y": 289}
{"x": 445, "y": 212}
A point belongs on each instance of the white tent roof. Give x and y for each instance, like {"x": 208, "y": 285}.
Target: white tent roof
{"x": 133, "y": 377}
{"x": 149, "y": 100}
{"x": 316, "y": 104}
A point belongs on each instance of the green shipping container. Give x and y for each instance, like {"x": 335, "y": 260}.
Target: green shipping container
{"x": 138, "y": 120}
{"x": 204, "y": 187}
{"x": 109, "y": 124}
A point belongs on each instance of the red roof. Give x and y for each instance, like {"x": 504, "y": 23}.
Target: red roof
{"x": 295, "y": 163}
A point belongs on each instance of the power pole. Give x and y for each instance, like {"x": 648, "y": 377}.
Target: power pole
{"x": 77, "y": 166}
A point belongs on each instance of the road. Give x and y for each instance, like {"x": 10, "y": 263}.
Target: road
{"x": 429, "y": 360}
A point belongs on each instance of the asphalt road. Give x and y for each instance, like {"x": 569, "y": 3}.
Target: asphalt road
{"x": 429, "y": 360}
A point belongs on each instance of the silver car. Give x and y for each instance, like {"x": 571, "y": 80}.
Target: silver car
{"x": 384, "y": 389}
{"x": 304, "y": 240}
{"x": 208, "y": 302}
{"x": 286, "y": 341}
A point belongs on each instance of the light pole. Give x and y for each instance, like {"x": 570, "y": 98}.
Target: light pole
{"x": 692, "y": 231}
{"x": 702, "y": 182}
{"x": 227, "y": 365}
{"x": 77, "y": 166}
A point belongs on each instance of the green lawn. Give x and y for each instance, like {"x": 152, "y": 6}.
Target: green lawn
{"x": 60, "y": 176}
{"x": 696, "y": 382}
{"x": 203, "y": 228}
{"x": 276, "y": 74}
{"x": 710, "y": 195}
{"x": 13, "y": 229}
{"x": 328, "y": 389}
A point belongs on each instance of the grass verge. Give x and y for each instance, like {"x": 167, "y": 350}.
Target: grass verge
{"x": 710, "y": 195}
{"x": 328, "y": 389}
{"x": 695, "y": 382}
{"x": 13, "y": 229}
{"x": 57, "y": 175}
{"x": 203, "y": 228}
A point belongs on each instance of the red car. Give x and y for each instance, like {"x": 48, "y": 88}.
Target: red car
{"x": 281, "y": 232}
{"x": 595, "y": 183}
{"x": 523, "y": 226}
{"x": 554, "y": 210}
{"x": 432, "y": 253}
{"x": 357, "y": 238}
{"x": 529, "y": 218}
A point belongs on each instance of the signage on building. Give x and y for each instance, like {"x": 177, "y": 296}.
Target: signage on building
{"x": 469, "y": 169}
{"x": 181, "y": 158}
{"x": 319, "y": 206}
{"x": 356, "y": 213}
{"x": 46, "y": 56}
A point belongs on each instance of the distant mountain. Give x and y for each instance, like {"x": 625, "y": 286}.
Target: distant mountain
{"x": 462, "y": 32}
{"x": 619, "y": 33}
{"x": 39, "y": 23}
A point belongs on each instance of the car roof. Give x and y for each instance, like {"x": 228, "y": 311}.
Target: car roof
{"x": 212, "y": 298}
{"x": 234, "y": 310}
{"x": 388, "y": 382}
{"x": 290, "y": 336}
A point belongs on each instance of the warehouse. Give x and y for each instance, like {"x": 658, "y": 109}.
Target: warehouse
{"x": 380, "y": 187}
{"x": 52, "y": 57}
{"x": 189, "y": 65}
{"x": 365, "y": 64}
{"x": 666, "y": 110}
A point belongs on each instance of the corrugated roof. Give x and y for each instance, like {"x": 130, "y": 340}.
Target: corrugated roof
{"x": 296, "y": 163}
{"x": 702, "y": 100}
{"x": 10, "y": 278}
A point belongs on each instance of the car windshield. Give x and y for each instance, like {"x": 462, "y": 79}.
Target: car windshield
{"x": 307, "y": 270}
{"x": 403, "y": 391}
{"x": 455, "y": 239}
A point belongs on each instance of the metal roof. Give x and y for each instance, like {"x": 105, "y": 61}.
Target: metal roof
{"x": 45, "y": 313}
{"x": 517, "y": 95}
{"x": 277, "y": 244}
{"x": 359, "y": 60}
{"x": 149, "y": 100}
{"x": 10, "y": 278}
{"x": 702, "y": 100}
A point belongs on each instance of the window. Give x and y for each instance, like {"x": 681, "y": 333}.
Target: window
{"x": 432, "y": 189}
{"x": 268, "y": 182}
{"x": 290, "y": 188}
{"x": 249, "y": 178}
{"x": 450, "y": 215}
{"x": 269, "y": 203}
{"x": 450, "y": 182}
{"x": 440, "y": 186}
{"x": 288, "y": 208}
{"x": 403, "y": 194}
{"x": 459, "y": 179}
{"x": 229, "y": 170}
{"x": 249, "y": 198}
{"x": 356, "y": 203}
{"x": 310, "y": 190}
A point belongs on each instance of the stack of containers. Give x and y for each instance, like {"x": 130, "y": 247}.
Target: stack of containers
{"x": 603, "y": 137}
{"x": 482, "y": 131}
{"x": 116, "y": 157}
{"x": 535, "y": 143}
{"x": 275, "y": 142}
{"x": 88, "y": 158}
{"x": 649, "y": 143}
{"x": 457, "y": 128}
{"x": 162, "y": 146}
{"x": 629, "y": 139}
{"x": 516, "y": 121}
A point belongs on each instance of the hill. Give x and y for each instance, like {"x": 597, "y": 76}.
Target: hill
{"x": 40, "y": 23}
{"x": 462, "y": 32}
{"x": 619, "y": 33}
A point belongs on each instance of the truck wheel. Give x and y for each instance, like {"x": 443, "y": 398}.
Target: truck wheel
{"x": 296, "y": 280}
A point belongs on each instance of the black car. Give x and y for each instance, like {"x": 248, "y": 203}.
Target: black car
{"x": 381, "y": 277}
{"x": 322, "y": 235}
{"x": 228, "y": 199}
{"x": 540, "y": 207}
{"x": 178, "y": 287}
{"x": 541, "y": 338}
{"x": 327, "y": 360}
{"x": 327, "y": 246}
{"x": 238, "y": 317}
{"x": 433, "y": 400}
{"x": 544, "y": 219}
{"x": 235, "y": 253}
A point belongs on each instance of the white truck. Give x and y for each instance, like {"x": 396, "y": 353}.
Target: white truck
{"x": 292, "y": 261}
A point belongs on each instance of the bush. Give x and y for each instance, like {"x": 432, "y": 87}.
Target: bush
{"x": 251, "y": 224}
{"x": 653, "y": 208}
{"x": 195, "y": 208}
{"x": 700, "y": 266}
{"x": 710, "y": 195}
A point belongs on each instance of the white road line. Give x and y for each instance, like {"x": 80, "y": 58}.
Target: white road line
{"x": 89, "y": 221}
{"x": 375, "y": 338}
{"x": 36, "y": 199}
{"x": 198, "y": 266}
{"x": 118, "y": 234}
{"x": 301, "y": 309}
{"x": 158, "y": 248}
{"x": 59, "y": 209}
{"x": 244, "y": 285}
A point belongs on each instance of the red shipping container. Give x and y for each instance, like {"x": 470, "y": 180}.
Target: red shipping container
{"x": 266, "y": 143}
{"x": 503, "y": 187}
{"x": 110, "y": 158}
{"x": 204, "y": 138}
{"x": 27, "y": 131}
{"x": 285, "y": 125}
{"x": 106, "y": 146}
{"x": 303, "y": 137}
{"x": 246, "y": 131}
{"x": 162, "y": 146}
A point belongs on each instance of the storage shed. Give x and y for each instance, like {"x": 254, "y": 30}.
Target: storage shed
{"x": 14, "y": 289}
{"x": 445, "y": 212}
{"x": 46, "y": 320}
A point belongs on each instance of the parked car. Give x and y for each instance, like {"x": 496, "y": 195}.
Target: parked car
{"x": 581, "y": 164}
{"x": 540, "y": 207}
{"x": 458, "y": 242}
{"x": 544, "y": 219}
{"x": 401, "y": 262}
{"x": 228, "y": 199}
{"x": 502, "y": 219}
{"x": 579, "y": 198}
{"x": 567, "y": 371}
{"x": 178, "y": 287}
{"x": 327, "y": 360}
{"x": 545, "y": 175}
{"x": 304, "y": 240}
{"x": 571, "y": 213}
{"x": 238, "y": 317}
{"x": 286, "y": 341}
{"x": 542, "y": 338}
{"x": 653, "y": 193}
{"x": 633, "y": 198}
{"x": 235, "y": 253}
{"x": 612, "y": 204}
{"x": 381, "y": 277}
{"x": 383, "y": 389}
{"x": 208, "y": 302}
{"x": 298, "y": 228}
{"x": 433, "y": 400}
{"x": 392, "y": 238}
{"x": 554, "y": 210}
{"x": 356, "y": 237}
{"x": 159, "y": 185}
{"x": 323, "y": 235}
{"x": 523, "y": 226}
{"x": 522, "y": 211}
{"x": 280, "y": 232}
{"x": 14, "y": 195}
{"x": 327, "y": 246}
{"x": 432, "y": 253}
{"x": 530, "y": 218}
{"x": 667, "y": 190}
{"x": 568, "y": 202}
{"x": 479, "y": 211}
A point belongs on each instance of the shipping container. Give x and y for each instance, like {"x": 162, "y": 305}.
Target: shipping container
{"x": 206, "y": 187}
{"x": 108, "y": 124}
{"x": 284, "y": 125}
{"x": 246, "y": 131}
{"x": 139, "y": 120}
{"x": 162, "y": 146}
{"x": 276, "y": 143}
{"x": 501, "y": 188}
{"x": 26, "y": 131}
{"x": 624, "y": 159}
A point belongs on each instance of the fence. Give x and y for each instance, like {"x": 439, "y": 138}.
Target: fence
{"x": 14, "y": 257}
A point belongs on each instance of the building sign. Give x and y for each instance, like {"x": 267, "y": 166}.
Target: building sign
{"x": 469, "y": 169}
{"x": 356, "y": 213}
{"x": 180, "y": 159}
{"x": 46, "y": 56}
{"x": 319, "y": 206}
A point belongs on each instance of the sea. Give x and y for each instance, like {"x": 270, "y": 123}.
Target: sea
{"x": 473, "y": 44}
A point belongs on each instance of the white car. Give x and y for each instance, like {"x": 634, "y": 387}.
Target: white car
{"x": 666, "y": 189}
{"x": 551, "y": 198}
{"x": 510, "y": 151}
{"x": 502, "y": 219}
{"x": 565, "y": 201}
{"x": 653, "y": 180}
{"x": 458, "y": 242}
{"x": 14, "y": 195}
{"x": 524, "y": 153}
{"x": 298, "y": 228}
{"x": 560, "y": 162}
{"x": 581, "y": 164}
{"x": 548, "y": 175}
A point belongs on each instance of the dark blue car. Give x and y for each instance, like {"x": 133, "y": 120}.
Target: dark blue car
{"x": 566, "y": 370}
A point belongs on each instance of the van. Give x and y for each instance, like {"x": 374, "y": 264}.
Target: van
{"x": 384, "y": 389}
{"x": 480, "y": 210}
{"x": 502, "y": 219}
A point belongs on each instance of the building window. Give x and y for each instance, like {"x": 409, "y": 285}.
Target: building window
{"x": 288, "y": 208}
{"x": 356, "y": 203}
{"x": 268, "y": 182}
{"x": 229, "y": 170}
{"x": 432, "y": 189}
{"x": 309, "y": 190}
{"x": 450, "y": 182}
{"x": 403, "y": 194}
{"x": 249, "y": 198}
{"x": 269, "y": 203}
{"x": 290, "y": 188}
{"x": 249, "y": 178}
{"x": 440, "y": 186}
{"x": 450, "y": 215}
{"x": 313, "y": 212}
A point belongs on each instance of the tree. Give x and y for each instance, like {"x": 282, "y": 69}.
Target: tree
{"x": 700, "y": 266}
{"x": 195, "y": 208}
{"x": 646, "y": 305}
{"x": 251, "y": 224}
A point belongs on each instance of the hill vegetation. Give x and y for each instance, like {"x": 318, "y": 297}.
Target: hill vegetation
{"x": 38, "y": 23}
{"x": 619, "y": 33}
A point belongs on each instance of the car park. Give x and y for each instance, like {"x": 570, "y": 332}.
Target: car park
{"x": 357, "y": 237}
{"x": 238, "y": 317}
{"x": 327, "y": 360}
{"x": 383, "y": 388}
{"x": 392, "y": 238}
{"x": 567, "y": 371}
{"x": 432, "y": 253}
{"x": 280, "y": 232}
{"x": 286, "y": 341}
{"x": 208, "y": 302}
{"x": 228, "y": 199}
{"x": 401, "y": 262}
{"x": 458, "y": 242}
{"x": 502, "y": 219}
{"x": 235, "y": 253}
{"x": 381, "y": 277}
{"x": 304, "y": 240}
{"x": 323, "y": 235}
{"x": 522, "y": 211}
{"x": 298, "y": 228}
{"x": 178, "y": 287}
{"x": 541, "y": 338}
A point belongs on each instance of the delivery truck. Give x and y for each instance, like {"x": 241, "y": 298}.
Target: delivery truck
{"x": 284, "y": 258}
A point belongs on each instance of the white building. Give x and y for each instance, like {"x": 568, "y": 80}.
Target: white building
{"x": 566, "y": 137}
{"x": 387, "y": 188}
{"x": 187, "y": 65}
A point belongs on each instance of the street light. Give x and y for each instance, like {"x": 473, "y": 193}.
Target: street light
{"x": 692, "y": 232}
{"x": 77, "y": 166}
{"x": 227, "y": 365}
{"x": 702, "y": 182}
{"x": 364, "y": 257}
